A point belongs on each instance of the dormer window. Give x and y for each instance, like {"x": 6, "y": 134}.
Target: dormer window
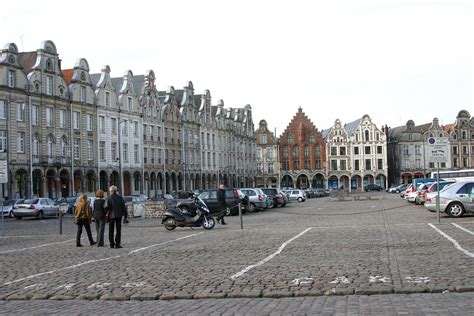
{"x": 107, "y": 98}
{"x": 83, "y": 76}
{"x": 130, "y": 103}
{"x": 49, "y": 85}
{"x": 82, "y": 93}
{"x": 11, "y": 78}
{"x": 11, "y": 59}
{"x": 49, "y": 65}
{"x": 455, "y": 136}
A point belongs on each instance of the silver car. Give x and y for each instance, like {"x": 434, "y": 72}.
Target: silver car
{"x": 36, "y": 207}
{"x": 455, "y": 199}
{"x": 296, "y": 195}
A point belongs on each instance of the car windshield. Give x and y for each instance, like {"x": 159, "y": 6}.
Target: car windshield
{"x": 9, "y": 202}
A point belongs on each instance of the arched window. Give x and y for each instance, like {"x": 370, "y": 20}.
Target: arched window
{"x": 296, "y": 152}
{"x": 366, "y": 133}
{"x": 306, "y": 152}
{"x": 285, "y": 152}
{"x": 63, "y": 144}
{"x": 317, "y": 152}
{"x": 290, "y": 139}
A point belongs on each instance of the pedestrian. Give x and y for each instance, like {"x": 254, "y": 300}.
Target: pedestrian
{"x": 117, "y": 210}
{"x": 100, "y": 210}
{"x": 222, "y": 204}
{"x": 83, "y": 217}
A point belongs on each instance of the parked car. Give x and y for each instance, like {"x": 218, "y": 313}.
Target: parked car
{"x": 319, "y": 192}
{"x": 372, "y": 187}
{"x": 455, "y": 200}
{"x": 71, "y": 201}
{"x": 8, "y": 206}
{"x": 296, "y": 194}
{"x": 36, "y": 207}
{"x": 276, "y": 196}
{"x": 428, "y": 188}
{"x": 310, "y": 194}
{"x": 91, "y": 200}
{"x": 232, "y": 197}
{"x": 256, "y": 198}
{"x": 397, "y": 188}
{"x": 407, "y": 191}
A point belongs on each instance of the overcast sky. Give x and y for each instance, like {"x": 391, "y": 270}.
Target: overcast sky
{"x": 393, "y": 60}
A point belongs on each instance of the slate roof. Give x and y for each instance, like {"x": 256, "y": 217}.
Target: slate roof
{"x": 138, "y": 82}
{"x": 325, "y": 132}
{"x": 95, "y": 79}
{"x": 117, "y": 83}
{"x": 352, "y": 126}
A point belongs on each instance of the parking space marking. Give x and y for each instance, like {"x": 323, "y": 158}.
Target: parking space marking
{"x": 94, "y": 261}
{"x": 35, "y": 247}
{"x": 463, "y": 229}
{"x": 455, "y": 243}
{"x": 280, "y": 249}
{"x": 163, "y": 243}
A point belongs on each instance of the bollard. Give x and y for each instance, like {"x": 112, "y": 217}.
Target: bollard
{"x": 60, "y": 222}
{"x": 240, "y": 216}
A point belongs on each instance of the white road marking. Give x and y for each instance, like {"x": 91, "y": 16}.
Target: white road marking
{"x": 92, "y": 261}
{"x": 417, "y": 279}
{"x": 280, "y": 249}
{"x": 163, "y": 243}
{"x": 66, "y": 286}
{"x": 455, "y": 243}
{"x": 378, "y": 279}
{"x": 33, "y": 286}
{"x": 35, "y": 247}
{"x": 99, "y": 285}
{"x": 133, "y": 284}
{"x": 341, "y": 279}
{"x": 464, "y": 229}
{"x": 302, "y": 281}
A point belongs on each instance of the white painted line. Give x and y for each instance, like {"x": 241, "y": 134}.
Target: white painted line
{"x": 455, "y": 243}
{"x": 341, "y": 279}
{"x": 163, "y": 243}
{"x": 35, "y": 247}
{"x": 280, "y": 249}
{"x": 464, "y": 229}
{"x": 92, "y": 261}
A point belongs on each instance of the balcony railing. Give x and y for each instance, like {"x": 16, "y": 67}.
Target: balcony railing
{"x": 51, "y": 160}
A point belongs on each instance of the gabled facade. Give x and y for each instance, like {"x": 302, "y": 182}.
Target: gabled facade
{"x": 266, "y": 157}
{"x": 461, "y": 138}
{"x": 302, "y": 154}
{"x": 338, "y": 156}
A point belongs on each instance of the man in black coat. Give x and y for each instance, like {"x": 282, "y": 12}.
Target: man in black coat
{"x": 117, "y": 209}
{"x": 222, "y": 204}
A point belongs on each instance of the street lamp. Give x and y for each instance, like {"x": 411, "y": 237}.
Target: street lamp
{"x": 122, "y": 191}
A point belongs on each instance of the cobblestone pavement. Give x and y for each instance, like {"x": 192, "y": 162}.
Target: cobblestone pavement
{"x": 317, "y": 248}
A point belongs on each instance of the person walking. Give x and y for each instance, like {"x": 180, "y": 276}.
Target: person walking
{"x": 83, "y": 217}
{"x": 117, "y": 210}
{"x": 222, "y": 204}
{"x": 100, "y": 210}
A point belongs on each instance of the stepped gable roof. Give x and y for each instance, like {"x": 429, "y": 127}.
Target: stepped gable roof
{"x": 27, "y": 60}
{"x": 302, "y": 118}
{"x": 67, "y": 75}
{"x": 352, "y": 126}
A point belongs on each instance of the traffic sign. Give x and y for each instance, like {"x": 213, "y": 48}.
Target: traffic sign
{"x": 438, "y": 148}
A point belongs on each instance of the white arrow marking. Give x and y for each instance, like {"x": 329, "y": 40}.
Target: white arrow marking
{"x": 302, "y": 281}
{"x": 378, "y": 279}
{"x": 341, "y": 279}
{"x": 417, "y": 279}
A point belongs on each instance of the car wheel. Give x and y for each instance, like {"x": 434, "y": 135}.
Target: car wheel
{"x": 300, "y": 199}
{"x": 251, "y": 208}
{"x": 455, "y": 210}
{"x": 40, "y": 215}
{"x": 11, "y": 215}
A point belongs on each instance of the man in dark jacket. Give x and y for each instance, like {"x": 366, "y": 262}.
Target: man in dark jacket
{"x": 117, "y": 209}
{"x": 222, "y": 204}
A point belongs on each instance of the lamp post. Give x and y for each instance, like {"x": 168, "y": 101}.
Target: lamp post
{"x": 122, "y": 192}
{"x": 163, "y": 155}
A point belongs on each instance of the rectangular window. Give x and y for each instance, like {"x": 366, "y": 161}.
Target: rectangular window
{"x": 406, "y": 164}
{"x": 113, "y": 149}
{"x": 3, "y": 141}
{"x": 333, "y": 151}
{"x": 20, "y": 112}
{"x": 90, "y": 149}
{"x": 20, "y": 142}
{"x": 464, "y": 162}
{"x": 113, "y": 125}
{"x": 136, "y": 153}
{"x": 343, "y": 165}
{"x": 342, "y": 151}
{"x": 77, "y": 148}
{"x": 405, "y": 150}
{"x": 102, "y": 124}
{"x": 356, "y": 164}
{"x": 464, "y": 150}
{"x": 455, "y": 163}
{"x": 124, "y": 128}
{"x": 356, "y": 150}
{"x": 368, "y": 164}
{"x": 379, "y": 164}
{"x": 367, "y": 150}
{"x": 135, "y": 129}
{"x": 34, "y": 115}
{"x": 125, "y": 152}
{"x": 62, "y": 119}
{"x": 334, "y": 165}
{"x": 431, "y": 165}
{"x": 107, "y": 98}
{"x": 455, "y": 150}
{"x": 49, "y": 117}
{"x": 82, "y": 94}
{"x": 145, "y": 130}
{"x": 152, "y": 131}
{"x": 89, "y": 122}
{"x": 263, "y": 138}
{"x": 76, "y": 117}
{"x": 11, "y": 78}
{"x": 145, "y": 155}
{"x": 296, "y": 165}
{"x": 417, "y": 150}
{"x": 379, "y": 150}
{"x": 417, "y": 163}
{"x": 3, "y": 109}
{"x": 130, "y": 103}
{"x": 443, "y": 165}
{"x": 102, "y": 151}
{"x": 49, "y": 85}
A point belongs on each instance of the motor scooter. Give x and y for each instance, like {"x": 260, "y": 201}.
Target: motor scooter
{"x": 183, "y": 217}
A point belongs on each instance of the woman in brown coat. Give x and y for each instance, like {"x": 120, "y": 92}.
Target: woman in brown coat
{"x": 83, "y": 217}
